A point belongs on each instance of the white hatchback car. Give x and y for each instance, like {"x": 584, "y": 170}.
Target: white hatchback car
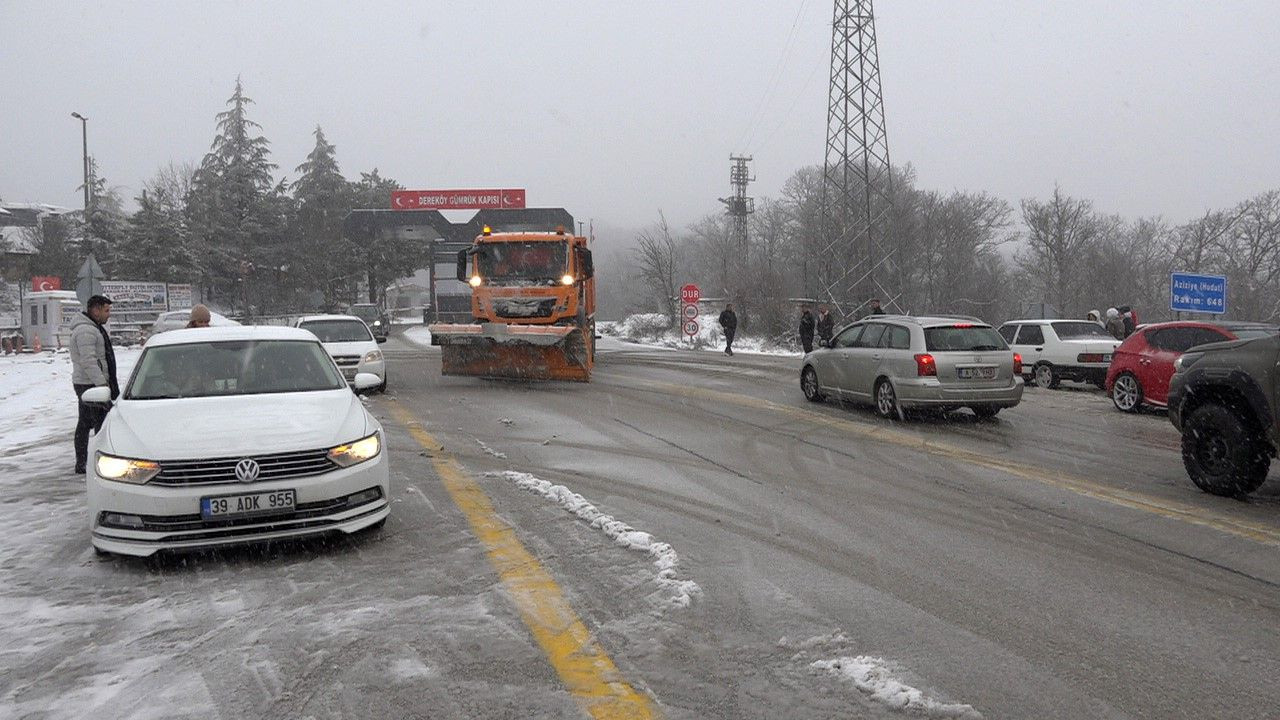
{"x": 1057, "y": 350}
{"x": 351, "y": 343}
{"x": 231, "y": 435}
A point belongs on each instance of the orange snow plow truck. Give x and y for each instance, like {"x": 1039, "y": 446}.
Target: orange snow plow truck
{"x": 533, "y": 298}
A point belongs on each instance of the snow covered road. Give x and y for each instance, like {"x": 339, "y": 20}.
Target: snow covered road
{"x": 1055, "y": 563}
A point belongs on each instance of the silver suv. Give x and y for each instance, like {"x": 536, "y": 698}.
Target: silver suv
{"x": 899, "y": 363}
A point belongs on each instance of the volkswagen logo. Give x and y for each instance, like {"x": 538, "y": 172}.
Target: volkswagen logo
{"x": 247, "y": 470}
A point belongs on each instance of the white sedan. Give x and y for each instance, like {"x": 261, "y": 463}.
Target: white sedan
{"x": 231, "y": 435}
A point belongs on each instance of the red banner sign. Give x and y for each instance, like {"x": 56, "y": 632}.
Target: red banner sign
{"x": 41, "y": 283}
{"x": 511, "y": 198}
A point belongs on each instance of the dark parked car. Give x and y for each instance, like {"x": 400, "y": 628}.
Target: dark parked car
{"x": 1223, "y": 399}
{"x": 373, "y": 316}
{"x": 1143, "y": 364}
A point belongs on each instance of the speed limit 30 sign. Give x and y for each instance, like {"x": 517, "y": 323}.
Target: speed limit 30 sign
{"x": 691, "y": 327}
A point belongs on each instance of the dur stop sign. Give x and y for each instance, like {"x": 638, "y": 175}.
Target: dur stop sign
{"x": 690, "y": 294}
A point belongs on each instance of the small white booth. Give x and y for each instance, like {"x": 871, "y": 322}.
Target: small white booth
{"x": 47, "y": 315}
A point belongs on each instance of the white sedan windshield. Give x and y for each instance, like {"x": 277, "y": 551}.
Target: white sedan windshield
{"x": 232, "y": 368}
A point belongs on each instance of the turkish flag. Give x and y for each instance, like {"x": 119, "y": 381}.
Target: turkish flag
{"x": 40, "y": 283}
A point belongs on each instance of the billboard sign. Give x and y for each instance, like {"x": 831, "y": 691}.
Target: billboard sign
{"x": 134, "y": 296}
{"x": 1189, "y": 292}
{"x": 500, "y": 199}
{"x": 181, "y": 297}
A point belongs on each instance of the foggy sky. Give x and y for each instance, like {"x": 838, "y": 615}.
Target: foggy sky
{"x": 617, "y": 110}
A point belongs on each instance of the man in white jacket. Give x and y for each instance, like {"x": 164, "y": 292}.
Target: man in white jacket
{"x": 93, "y": 364}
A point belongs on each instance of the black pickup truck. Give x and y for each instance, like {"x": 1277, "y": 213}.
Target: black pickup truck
{"x": 1223, "y": 399}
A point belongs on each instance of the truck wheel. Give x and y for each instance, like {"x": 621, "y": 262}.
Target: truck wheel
{"x": 1047, "y": 377}
{"x": 1222, "y": 454}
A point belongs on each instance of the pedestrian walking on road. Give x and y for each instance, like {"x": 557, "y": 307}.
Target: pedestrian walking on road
{"x": 729, "y": 323}
{"x": 93, "y": 364}
{"x": 200, "y": 317}
{"x": 875, "y": 307}
{"x": 806, "y": 329}
{"x": 826, "y": 325}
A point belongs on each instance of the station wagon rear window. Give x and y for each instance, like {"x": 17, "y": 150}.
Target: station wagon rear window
{"x": 963, "y": 338}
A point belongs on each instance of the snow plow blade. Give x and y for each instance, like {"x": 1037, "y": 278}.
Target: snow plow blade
{"x": 519, "y": 352}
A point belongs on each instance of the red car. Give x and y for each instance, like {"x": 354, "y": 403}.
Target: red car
{"x": 1142, "y": 365}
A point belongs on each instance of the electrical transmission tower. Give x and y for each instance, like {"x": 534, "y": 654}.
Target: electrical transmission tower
{"x": 859, "y": 258}
{"x": 740, "y": 206}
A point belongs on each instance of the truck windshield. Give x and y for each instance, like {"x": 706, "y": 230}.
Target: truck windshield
{"x": 523, "y": 262}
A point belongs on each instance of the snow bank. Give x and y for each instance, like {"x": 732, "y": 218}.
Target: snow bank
{"x": 651, "y": 329}
{"x": 419, "y": 335}
{"x": 40, "y": 409}
{"x": 683, "y": 592}
{"x": 874, "y": 677}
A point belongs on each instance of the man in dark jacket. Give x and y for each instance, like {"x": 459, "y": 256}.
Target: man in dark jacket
{"x": 806, "y": 329}
{"x": 729, "y": 323}
{"x": 93, "y": 364}
{"x": 875, "y": 307}
{"x": 826, "y": 325}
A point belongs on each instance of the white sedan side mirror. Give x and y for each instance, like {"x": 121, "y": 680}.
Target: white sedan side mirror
{"x": 365, "y": 381}
{"x": 100, "y": 394}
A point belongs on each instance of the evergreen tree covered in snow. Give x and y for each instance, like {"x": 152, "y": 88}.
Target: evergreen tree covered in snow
{"x": 237, "y": 213}
{"x": 322, "y": 266}
{"x": 387, "y": 256}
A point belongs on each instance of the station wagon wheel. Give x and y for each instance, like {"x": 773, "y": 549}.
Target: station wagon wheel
{"x": 1046, "y": 376}
{"x": 809, "y": 384}
{"x": 886, "y": 400}
{"x": 1126, "y": 393}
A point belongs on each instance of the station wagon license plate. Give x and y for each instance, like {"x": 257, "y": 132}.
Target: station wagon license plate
{"x": 262, "y": 503}
{"x": 977, "y": 373}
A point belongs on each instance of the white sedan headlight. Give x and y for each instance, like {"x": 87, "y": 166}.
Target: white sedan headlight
{"x": 372, "y": 356}
{"x": 354, "y": 453}
{"x": 127, "y": 470}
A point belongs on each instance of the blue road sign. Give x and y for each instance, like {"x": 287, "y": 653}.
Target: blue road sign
{"x": 1189, "y": 292}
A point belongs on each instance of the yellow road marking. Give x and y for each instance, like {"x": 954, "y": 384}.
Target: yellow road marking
{"x": 1081, "y": 486}
{"x": 583, "y": 666}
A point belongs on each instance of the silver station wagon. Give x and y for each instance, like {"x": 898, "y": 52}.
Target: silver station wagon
{"x": 900, "y": 363}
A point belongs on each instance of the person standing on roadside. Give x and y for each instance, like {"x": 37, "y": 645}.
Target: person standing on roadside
{"x": 729, "y": 323}
{"x": 806, "y": 329}
{"x": 200, "y": 317}
{"x": 875, "y": 307}
{"x": 826, "y": 325}
{"x": 93, "y": 364}
{"x": 1115, "y": 325}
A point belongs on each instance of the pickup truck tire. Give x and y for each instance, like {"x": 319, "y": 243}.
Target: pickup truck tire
{"x": 1046, "y": 376}
{"x": 1223, "y": 455}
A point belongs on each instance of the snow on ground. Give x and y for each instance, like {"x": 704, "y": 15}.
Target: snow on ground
{"x": 418, "y": 335}
{"x": 875, "y": 677}
{"x": 650, "y": 330}
{"x": 40, "y": 409}
{"x": 683, "y": 592}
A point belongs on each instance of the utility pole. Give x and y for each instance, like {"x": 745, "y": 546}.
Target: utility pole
{"x": 739, "y": 205}
{"x": 858, "y": 258}
{"x": 84, "y": 144}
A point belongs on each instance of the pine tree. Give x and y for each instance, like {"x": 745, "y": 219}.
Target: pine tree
{"x": 323, "y": 257}
{"x": 237, "y": 212}
{"x": 156, "y": 246}
{"x": 388, "y": 256}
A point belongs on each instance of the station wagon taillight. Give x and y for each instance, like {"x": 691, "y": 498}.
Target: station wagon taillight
{"x": 925, "y": 365}
{"x": 1017, "y": 364}
{"x": 1089, "y": 357}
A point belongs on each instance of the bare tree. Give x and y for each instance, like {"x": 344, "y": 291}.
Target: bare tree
{"x": 657, "y": 256}
{"x": 1059, "y": 234}
{"x": 1251, "y": 257}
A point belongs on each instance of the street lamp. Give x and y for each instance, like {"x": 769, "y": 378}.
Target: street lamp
{"x": 84, "y": 139}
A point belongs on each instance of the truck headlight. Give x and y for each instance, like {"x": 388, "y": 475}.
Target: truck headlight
{"x": 566, "y": 280}
{"x": 127, "y": 470}
{"x": 1186, "y": 360}
{"x": 354, "y": 453}
{"x": 475, "y": 281}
